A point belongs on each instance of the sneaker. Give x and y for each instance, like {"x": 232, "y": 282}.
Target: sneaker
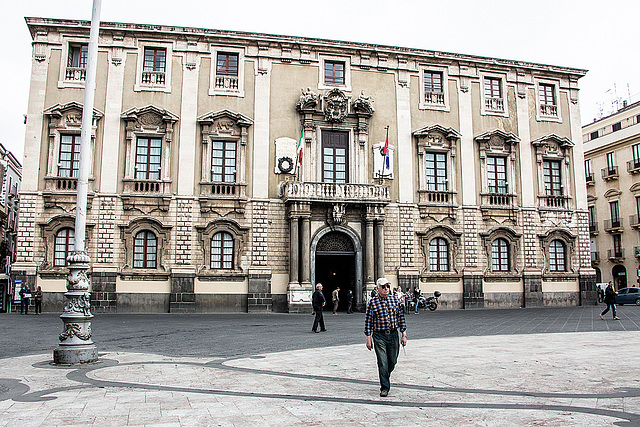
{"x": 602, "y": 317}
{"x": 616, "y": 318}
{"x": 384, "y": 393}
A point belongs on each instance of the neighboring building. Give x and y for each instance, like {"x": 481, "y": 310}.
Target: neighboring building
{"x": 612, "y": 167}
{"x": 196, "y": 203}
{"x": 11, "y": 172}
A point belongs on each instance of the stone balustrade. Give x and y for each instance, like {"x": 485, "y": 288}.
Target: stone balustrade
{"x": 330, "y": 192}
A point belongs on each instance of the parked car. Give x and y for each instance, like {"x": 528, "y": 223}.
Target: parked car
{"x": 628, "y": 296}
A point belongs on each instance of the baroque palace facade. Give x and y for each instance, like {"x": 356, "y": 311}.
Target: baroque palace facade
{"x": 196, "y": 204}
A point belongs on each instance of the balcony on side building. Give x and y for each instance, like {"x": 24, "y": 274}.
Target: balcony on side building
{"x": 590, "y": 179}
{"x": 615, "y": 254}
{"x": 610, "y": 173}
{"x": 613, "y": 225}
{"x": 593, "y": 228}
{"x": 549, "y": 110}
{"x": 634, "y": 221}
{"x": 636, "y": 251}
{"x": 633, "y": 166}
{"x": 595, "y": 257}
{"x": 332, "y": 192}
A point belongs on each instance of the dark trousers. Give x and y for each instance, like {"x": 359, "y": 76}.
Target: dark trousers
{"x": 349, "y": 307}
{"x": 387, "y": 349}
{"x": 613, "y": 308}
{"x": 38, "y": 307}
{"x": 319, "y": 320}
{"x": 24, "y": 306}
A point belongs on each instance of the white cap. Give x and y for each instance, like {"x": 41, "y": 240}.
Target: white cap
{"x": 382, "y": 281}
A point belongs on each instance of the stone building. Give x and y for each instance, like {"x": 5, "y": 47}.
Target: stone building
{"x": 612, "y": 169}
{"x": 450, "y": 172}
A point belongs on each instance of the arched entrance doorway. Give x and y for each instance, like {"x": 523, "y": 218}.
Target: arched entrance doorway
{"x": 336, "y": 261}
{"x": 619, "y": 274}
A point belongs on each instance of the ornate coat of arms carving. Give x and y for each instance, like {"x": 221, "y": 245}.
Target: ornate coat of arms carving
{"x": 335, "y": 110}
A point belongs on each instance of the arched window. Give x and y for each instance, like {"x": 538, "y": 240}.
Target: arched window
{"x": 557, "y": 256}
{"x": 222, "y": 251}
{"x": 438, "y": 255}
{"x": 63, "y": 246}
{"x": 145, "y": 246}
{"x": 500, "y": 255}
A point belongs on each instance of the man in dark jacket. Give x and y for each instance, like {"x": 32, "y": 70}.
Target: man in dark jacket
{"x": 318, "y": 301}
{"x": 610, "y": 300}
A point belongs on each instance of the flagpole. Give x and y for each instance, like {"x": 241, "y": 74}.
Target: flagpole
{"x": 384, "y": 153}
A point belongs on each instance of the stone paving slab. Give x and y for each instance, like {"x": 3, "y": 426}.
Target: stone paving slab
{"x": 563, "y": 379}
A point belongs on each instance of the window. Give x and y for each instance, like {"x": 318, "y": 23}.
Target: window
{"x": 439, "y": 255}
{"x": 636, "y": 155}
{"x": 145, "y": 246}
{"x": 63, "y": 246}
{"x": 223, "y": 161}
{"x": 614, "y": 208}
{"x": 433, "y": 88}
{"x": 334, "y": 72}
{"x": 611, "y": 162}
{"x": 592, "y": 219}
{"x": 222, "y": 251}
{"x": 69, "y": 159}
{"x": 497, "y": 174}
{"x": 227, "y": 70}
{"x": 153, "y": 70}
{"x": 546, "y": 94}
{"x": 588, "y": 171}
{"x": 493, "y": 100}
{"x": 617, "y": 246}
{"x": 500, "y": 255}
{"x": 593, "y": 135}
{"x": 616, "y": 127}
{"x": 436, "y": 171}
{"x": 148, "y": 153}
{"x": 552, "y": 181}
{"x": 335, "y": 157}
{"x": 557, "y": 256}
{"x": 77, "y": 57}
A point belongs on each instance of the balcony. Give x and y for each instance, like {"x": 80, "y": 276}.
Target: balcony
{"x": 610, "y": 173}
{"x": 595, "y": 257}
{"x": 549, "y": 110}
{"x": 153, "y": 78}
{"x": 633, "y": 166}
{"x": 494, "y": 105}
{"x": 331, "y": 192}
{"x": 593, "y": 228}
{"x": 434, "y": 98}
{"x": 613, "y": 225}
{"x": 75, "y": 74}
{"x": 226, "y": 190}
{"x": 615, "y": 254}
{"x": 499, "y": 200}
{"x": 590, "y": 180}
{"x": 146, "y": 187}
{"x": 634, "y": 221}
{"x": 61, "y": 184}
{"x": 436, "y": 197}
{"x": 226, "y": 83}
{"x": 554, "y": 201}
{"x": 636, "y": 251}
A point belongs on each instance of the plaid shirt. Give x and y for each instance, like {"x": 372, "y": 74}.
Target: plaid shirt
{"x": 384, "y": 314}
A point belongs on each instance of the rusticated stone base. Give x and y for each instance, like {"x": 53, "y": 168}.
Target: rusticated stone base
{"x": 473, "y": 295}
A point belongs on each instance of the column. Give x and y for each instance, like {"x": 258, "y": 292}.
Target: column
{"x": 188, "y": 131}
{"x": 405, "y": 162}
{"x": 294, "y": 266}
{"x": 306, "y": 244}
{"x": 379, "y": 248}
{"x": 467, "y": 155}
{"x": 261, "y": 132}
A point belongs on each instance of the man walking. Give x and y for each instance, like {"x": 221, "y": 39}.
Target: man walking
{"x": 350, "y": 302}
{"x": 318, "y": 302}
{"x": 335, "y": 299}
{"x": 383, "y": 318}
{"x": 610, "y": 300}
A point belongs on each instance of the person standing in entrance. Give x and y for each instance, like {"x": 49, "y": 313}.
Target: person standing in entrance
{"x": 318, "y": 303}
{"x": 382, "y": 320}
{"x": 335, "y": 299}
{"x": 610, "y": 300}
{"x": 350, "y": 302}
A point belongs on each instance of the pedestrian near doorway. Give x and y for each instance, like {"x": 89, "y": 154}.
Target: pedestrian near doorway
{"x": 383, "y": 318}
{"x": 37, "y": 296}
{"x": 25, "y": 295}
{"x": 350, "y": 302}
{"x": 335, "y": 299}
{"x": 318, "y": 301}
{"x": 610, "y": 300}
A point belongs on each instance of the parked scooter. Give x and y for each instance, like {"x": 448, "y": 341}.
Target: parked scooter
{"x": 431, "y": 303}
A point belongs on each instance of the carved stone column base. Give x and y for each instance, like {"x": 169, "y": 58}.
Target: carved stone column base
{"x": 76, "y": 345}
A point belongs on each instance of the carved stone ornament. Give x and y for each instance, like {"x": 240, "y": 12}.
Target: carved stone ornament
{"x": 78, "y": 304}
{"x": 363, "y": 104}
{"x": 308, "y": 100}
{"x": 72, "y": 329}
{"x": 335, "y": 110}
{"x": 337, "y": 215}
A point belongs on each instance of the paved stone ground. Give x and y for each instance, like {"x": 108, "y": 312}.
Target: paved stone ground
{"x": 480, "y": 368}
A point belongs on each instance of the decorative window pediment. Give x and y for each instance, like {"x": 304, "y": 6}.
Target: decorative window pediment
{"x": 452, "y": 239}
{"x": 513, "y": 247}
{"x": 154, "y": 66}
{"x": 568, "y": 241}
{"x": 553, "y": 156}
{"x": 498, "y": 168}
{"x": 163, "y": 236}
{"x": 65, "y": 123}
{"x": 239, "y": 235}
{"x": 49, "y": 230}
{"x": 143, "y": 127}
{"x": 224, "y": 136}
{"x": 612, "y": 194}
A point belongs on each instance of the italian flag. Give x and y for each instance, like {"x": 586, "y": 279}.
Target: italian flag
{"x": 300, "y": 148}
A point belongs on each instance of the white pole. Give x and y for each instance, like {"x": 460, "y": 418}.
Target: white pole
{"x": 87, "y": 124}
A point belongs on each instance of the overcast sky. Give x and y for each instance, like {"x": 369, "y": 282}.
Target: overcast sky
{"x": 600, "y": 36}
